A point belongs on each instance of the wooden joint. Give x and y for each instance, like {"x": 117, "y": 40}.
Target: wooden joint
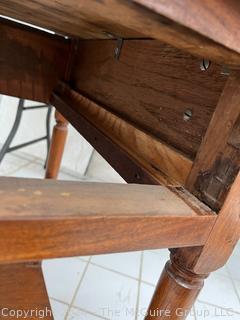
{"x": 234, "y": 139}
{"x": 176, "y": 292}
{"x": 183, "y": 275}
{"x": 99, "y": 218}
{"x": 213, "y": 184}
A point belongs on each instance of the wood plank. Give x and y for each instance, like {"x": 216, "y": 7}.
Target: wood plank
{"x": 22, "y": 290}
{"x": 218, "y": 159}
{"x": 215, "y": 19}
{"x": 131, "y": 170}
{"x": 50, "y": 219}
{"x": 31, "y": 63}
{"x": 96, "y": 19}
{"x": 151, "y": 85}
{"x": 224, "y": 235}
{"x": 155, "y": 155}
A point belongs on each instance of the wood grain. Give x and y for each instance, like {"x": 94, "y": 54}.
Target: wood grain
{"x": 58, "y": 141}
{"x": 152, "y": 85}
{"x": 218, "y": 160}
{"x": 175, "y": 293}
{"x": 215, "y": 19}
{"x": 145, "y": 148}
{"x": 22, "y": 290}
{"x": 131, "y": 170}
{"x": 95, "y": 19}
{"x": 30, "y": 61}
{"x": 224, "y": 235}
{"x": 51, "y": 218}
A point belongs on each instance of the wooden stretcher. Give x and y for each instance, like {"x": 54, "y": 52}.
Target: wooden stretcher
{"x": 154, "y": 86}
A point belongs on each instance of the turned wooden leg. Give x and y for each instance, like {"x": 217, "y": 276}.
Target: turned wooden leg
{"x": 175, "y": 293}
{"x": 57, "y": 146}
{"x": 23, "y": 293}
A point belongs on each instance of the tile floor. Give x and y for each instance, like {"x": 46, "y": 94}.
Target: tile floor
{"x": 119, "y": 286}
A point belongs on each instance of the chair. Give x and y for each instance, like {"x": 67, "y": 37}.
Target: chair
{"x": 6, "y": 146}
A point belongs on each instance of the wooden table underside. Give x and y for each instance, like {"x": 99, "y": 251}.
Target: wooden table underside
{"x": 131, "y": 78}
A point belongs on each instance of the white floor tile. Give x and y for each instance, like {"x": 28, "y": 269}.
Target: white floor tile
{"x": 207, "y": 312}
{"x": 36, "y": 170}
{"x": 58, "y": 309}
{"x": 107, "y": 294}
{"x": 219, "y": 291}
{"x": 85, "y": 258}
{"x": 11, "y": 163}
{"x": 146, "y": 293}
{"x": 191, "y": 315}
{"x": 222, "y": 272}
{"x": 76, "y": 314}
{"x": 62, "y": 277}
{"x": 233, "y": 265}
{"x": 237, "y": 288}
{"x": 153, "y": 265}
{"x": 127, "y": 263}
{"x": 100, "y": 169}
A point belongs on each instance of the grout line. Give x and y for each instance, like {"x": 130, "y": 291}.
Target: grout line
{"x": 78, "y": 308}
{"x": 89, "y": 162}
{"x": 89, "y": 312}
{"x": 233, "y": 283}
{"x": 139, "y": 285}
{"x": 111, "y": 270}
{"x": 77, "y": 289}
{"x": 58, "y": 300}
{"x": 216, "y": 306}
{"x": 20, "y": 167}
{"x": 194, "y": 312}
{"x": 118, "y": 272}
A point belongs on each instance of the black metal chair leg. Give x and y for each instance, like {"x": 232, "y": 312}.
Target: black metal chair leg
{"x": 13, "y": 131}
{"x": 48, "y": 133}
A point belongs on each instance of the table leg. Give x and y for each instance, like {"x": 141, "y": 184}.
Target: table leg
{"x": 23, "y": 293}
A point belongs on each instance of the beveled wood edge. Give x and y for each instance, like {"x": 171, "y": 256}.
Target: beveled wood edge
{"x": 143, "y": 21}
{"x": 42, "y": 236}
{"x": 168, "y": 165}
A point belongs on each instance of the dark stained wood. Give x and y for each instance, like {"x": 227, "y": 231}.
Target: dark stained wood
{"x": 51, "y": 218}
{"x": 218, "y": 159}
{"x": 22, "y": 290}
{"x": 31, "y": 62}
{"x": 58, "y": 140}
{"x": 151, "y": 85}
{"x": 95, "y": 19}
{"x": 167, "y": 165}
{"x": 175, "y": 293}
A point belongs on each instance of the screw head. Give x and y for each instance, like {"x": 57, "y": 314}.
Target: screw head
{"x": 187, "y": 115}
{"x": 204, "y": 64}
